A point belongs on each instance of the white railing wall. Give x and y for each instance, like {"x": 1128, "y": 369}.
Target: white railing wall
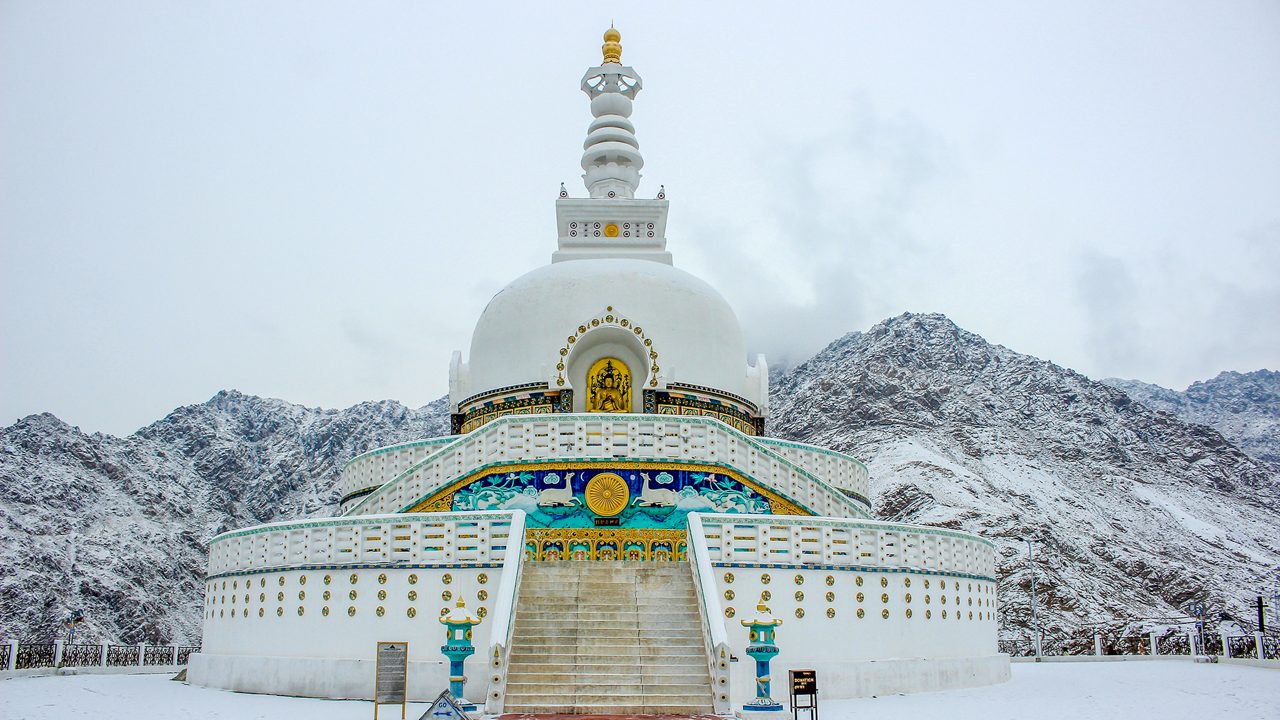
{"x": 843, "y": 542}
{"x": 370, "y": 470}
{"x": 633, "y": 437}
{"x": 504, "y": 615}
{"x": 715, "y": 635}
{"x": 410, "y": 538}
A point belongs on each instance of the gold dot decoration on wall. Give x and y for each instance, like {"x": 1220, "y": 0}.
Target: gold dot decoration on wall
{"x": 262, "y": 582}
{"x": 411, "y": 612}
{"x": 224, "y": 584}
{"x": 799, "y": 596}
{"x": 970, "y": 587}
{"x": 729, "y": 595}
{"x": 728, "y": 578}
{"x": 482, "y": 595}
{"x": 884, "y": 598}
{"x": 413, "y": 595}
{"x": 300, "y": 611}
{"x": 611, "y": 230}
{"x": 325, "y": 611}
{"x": 302, "y": 579}
{"x": 906, "y": 582}
{"x": 261, "y": 612}
{"x": 281, "y": 579}
{"x": 328, "y": 579}
{"x": 302, "y": 594}
{"x": 799, "y": 613}
{"x": 446, "y": 596}
{"x": 970, "y": 614}
{"x": 908, "y": 597}
{"x": 354, "y": 578}
{"x": 729, "y": 612}
{"x": 382, "y": 578}
{"x": 908, "y": 613}
{"x": 280, "y": 597}
{"x": 279, "y": 612}
{"x": 857, "y": 580}
{"x": 928, "y": 614}
{"x": 351, "y": 611}
{"x": 444, "y": 611}
{"x": 884, "y": 581}
{"x": 926, "y": 599}
{"x": 235, "y": 584}
{"x": 830, "y": 581}
{"x": 482, "y": 612}
{"x": 381, "y": 611}
{"x": 482, "y": 578}
{"x": 799, "y": 579}
{"x": 861, "y": 613}
{"x": 327, "y": 595}
{"x": 926, "y": 583}
{"x": 970, "y": 602}
{"x": 884, "y": 613}
{"x": 944, "y": 614}
{"x": 607, "y": 494}
{"x": 942, "y": 599}
{"x": 413, "y": 578}
{"x": 246, "y": 597}
{"x": 766, "y": 596}
{"x": 353, "y": 594}
{"x": 831, "y": 597}
{"x": 764, "y": 579}
{"x": 446, "y": 579}
{"x": 860, "y": 597}
{"x": 831, "y": 613}
{"x": 382, "y": 594}
{"x": 942, "y": 584}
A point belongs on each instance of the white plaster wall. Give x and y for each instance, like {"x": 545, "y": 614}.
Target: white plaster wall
{"x": 853, "y": 679}
{"x": 344, "y": 678}
{"x": 695, "y": 332}
{"x": 281, "y": 632}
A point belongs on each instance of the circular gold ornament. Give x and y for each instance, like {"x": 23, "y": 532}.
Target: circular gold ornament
{"x": 728, "y": 578}
{"x": 482, "y": 612}
{"x": 279, "y": 612}
{"x": 302, "y": 579}
{"x": 446, "y": 596}
{"x": 447, "y": 579}
{"x": 908, "y": 613}
{"x": 830, "y": 581}
{"x": 799, "y": 596}
{"x": 861, "y": 597}
{"x": 328, "y": 579}
{"x": 831, "y": 597}
{"x": 884, "y": 597}
{"x": 857, "y": 580}
{"x": 884, "y": 581}
{"x": 381, "y": 611}
{"x": 831, "y": 612}
{"x": 764, "y": 579}
{"x": 729, "y": 595}
{"x": 861, "y": 613}
{"x": 327, "y": 595}
{"x": 382, "y": 578}
{"x": 928, "y": 614}
{"x": 607, "y": 494}
{"x": 413, "y": 579}
{"x": 611, "y": 230}
{"x": 300, "y": 611}
{"x": 281, "y": 579}
{"x": 799, "y": 579}
{"x": 885, "y": 613}
{"x": 799, "y": 613}
{"x": 766, "y": 596}
{"x": 906, "y": 582}
{"x": 325, "y": 611}
{"x": 729, "y": 612}
{"x": 262, "y": 597}
{"x": 351, "y": 611}
{"x": 411, "y": 612}
{"x": 482, "y": 595}
{"x": 413, "y": 595}
{"x": 482, "y": 578}
{"x": 926, "y": 583}
{"x": 280, "y": 597}
{"x": 354, "y": 578}
{"x": 352, "y": 594}
{"x": 260, "y": 612}
{"x": 302, "y": 594}
{"x": 382, "y": 594}
{"x": 908, "y": 597}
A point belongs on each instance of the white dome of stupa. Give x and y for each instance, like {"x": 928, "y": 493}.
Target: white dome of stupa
{"x": 609, "y": 294}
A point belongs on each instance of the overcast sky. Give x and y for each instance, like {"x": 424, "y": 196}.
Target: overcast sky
{"x": 314, "y": 201}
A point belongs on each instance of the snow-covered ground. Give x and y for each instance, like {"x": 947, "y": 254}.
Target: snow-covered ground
{"x": 1070, "y": 691}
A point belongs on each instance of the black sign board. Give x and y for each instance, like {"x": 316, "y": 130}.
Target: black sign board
{"x": 804, "y": 686}
{"x": 608, "y": 522}
{"x": 390, "y": 675}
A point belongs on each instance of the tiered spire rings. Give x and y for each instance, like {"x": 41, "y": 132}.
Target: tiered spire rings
{"x": 611, "y": 162}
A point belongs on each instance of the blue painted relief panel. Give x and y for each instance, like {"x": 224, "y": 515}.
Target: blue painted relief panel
{"x": 659, "y": 498}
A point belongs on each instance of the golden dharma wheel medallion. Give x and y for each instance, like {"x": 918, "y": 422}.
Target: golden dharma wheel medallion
{"x": 607, "y": 494}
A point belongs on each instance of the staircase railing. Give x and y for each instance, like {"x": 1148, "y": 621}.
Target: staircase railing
{"x": 717, "y": 639}
{"x": 504, "y": 614}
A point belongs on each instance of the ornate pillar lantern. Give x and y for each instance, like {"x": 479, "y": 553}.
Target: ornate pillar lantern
{"x": 457, "y": 647}
{"x": 762, "y": 649}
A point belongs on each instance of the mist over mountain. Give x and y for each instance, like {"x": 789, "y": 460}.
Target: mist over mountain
{"x": 1132, "y": 511}
{"x": 1244, "y": 407}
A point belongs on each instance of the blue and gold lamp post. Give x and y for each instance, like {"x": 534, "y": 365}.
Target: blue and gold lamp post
{"x": 762, "y": 649}
{"x": 457, "y": 647}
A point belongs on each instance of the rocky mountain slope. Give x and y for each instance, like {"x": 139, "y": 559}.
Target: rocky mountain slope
{"x": 117, "y": 527}
{"x": 1132, "y": 511}
{"x": 1244, "y": 407}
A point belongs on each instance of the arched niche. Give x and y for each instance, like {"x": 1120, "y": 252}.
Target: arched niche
{"x": 602, "y": 342}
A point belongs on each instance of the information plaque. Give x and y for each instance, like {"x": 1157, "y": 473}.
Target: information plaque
{"x": 391, "y": 676}
{"x": 804, "y": 693}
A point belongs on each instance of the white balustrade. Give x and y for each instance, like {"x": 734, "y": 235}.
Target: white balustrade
{"x": 399, "y": 539}
{"x": 801, "y": 541}
{"x": 792, "y": 469}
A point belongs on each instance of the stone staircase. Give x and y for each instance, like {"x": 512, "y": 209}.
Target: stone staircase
{"x": 608, "y": 638}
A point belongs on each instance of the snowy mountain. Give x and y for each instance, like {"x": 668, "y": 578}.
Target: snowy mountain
{"x": 1244, "y": 407}
{"x": 117, "y": 527}
{"x": 1133, "y": 512}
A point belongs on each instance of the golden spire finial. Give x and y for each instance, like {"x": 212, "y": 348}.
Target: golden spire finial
{"x": 612, "y": 47}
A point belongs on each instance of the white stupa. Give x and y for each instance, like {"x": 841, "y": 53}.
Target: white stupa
{"x": 607, "y": 503}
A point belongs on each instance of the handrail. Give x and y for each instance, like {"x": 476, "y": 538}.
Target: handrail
{"x": 504, "y": 613}
{"x": 718, "y": 656}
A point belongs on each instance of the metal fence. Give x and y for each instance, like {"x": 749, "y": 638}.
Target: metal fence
{"x": 32, "y": 655}
{"x": 120, "y": 655}
{"x": 81, "y": 655}
{"x": 184, "y": 653}
{"x": 1270, "y": 647}
{"x": 35, "y": 655}
{"x": 6, "y": 651}
{"x": 1171, "y": 643}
